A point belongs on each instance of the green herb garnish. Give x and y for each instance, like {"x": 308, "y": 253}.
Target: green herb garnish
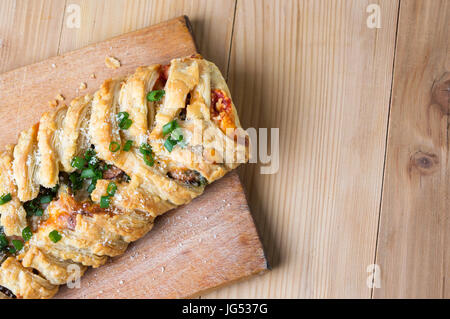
{"x": 111, "y": 189}
{"x": 46, "y": 199}
{"x": 27, "y": 233}
{"x": 78, "y": 162}
{"x": 169, "y": 127}
{"x": 88, "y": 173}
{"x": 18, "y": 244}
{"x": 104, "y": 201}
{"x": 125, "y": 124}
{"x": 3, "y": 241}
{"x": 169, "y": 144}
{"x": 5, "y": 198}
{"x": 93, "y": 162}
{"x": 90, "y": 153}
{"x": 156, "y": 95}
{"x": 176, "y": 135}
{"x": 124, "y": 121}
{"x": 75, "y": 181}
{"x": 127, "y": 145}
{"x": 146, "y": 151}
{"x": 114, "y": 146}
{"x": 148, "y": 159}
{"x": 54, "y": 236}
{"x": 91, "y": 186}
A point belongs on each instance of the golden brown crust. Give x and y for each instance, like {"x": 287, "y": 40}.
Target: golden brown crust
{"x": 80, "y": 232}
{"x": 25, "y": 164}
{"x": 12, "y": 214}
{"x": 183, "y": 76}
{"x": 50, "y": 146}
{"x": 23, "y": 283}
{"x": 57, "y": 272}
{"x": 89, "y": 233}
{"x": 74, "y": 136}
{"x": 133, "y": 100}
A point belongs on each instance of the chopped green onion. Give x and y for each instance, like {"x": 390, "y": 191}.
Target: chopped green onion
{"x": 169, "y": 144}
{"x": 45, "y": 199}
{"x": 30, "y": 207}
{"x": 148, "y": 159}
{"x": 18, "y": 244}
{"x": 176, "y": 135}
{"x": 122, "y": 116}
{"x": 125, "y": 124}
{"x": 145, "y": 148}
{"x": 75, "y": 180}
{"x": 90, "y": 153}
{"x": 156, "y": 95}
{"x": 5, "y": 198}
{"x": 114, "y": 146}
{"x": 27, "y": 233}
{"x": 111, "y": 189}
{"x": 182, "y": 143}
{"x": 127, "y": 145}
{"x": 54, "y": 236}
{"x": 78, "y": 162}
{"x": 88, "y": 173}
{"x": 3, "y": 241}
{"x": 104, "y": 201}
{"x": 93, "y": 162}
{"x": 98, "y": 174}
{"x": 124, "y": 121}
{"x": 146, "y": 151}
{"x": 169, "y": 127}
{"x": 39, "y": 212}
{"x": 91, "y": 187}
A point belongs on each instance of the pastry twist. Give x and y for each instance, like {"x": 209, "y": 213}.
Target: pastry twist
{"x": 90, "y": 178}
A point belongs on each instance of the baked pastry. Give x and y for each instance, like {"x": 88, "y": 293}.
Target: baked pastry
{"x": 90, "y": 178}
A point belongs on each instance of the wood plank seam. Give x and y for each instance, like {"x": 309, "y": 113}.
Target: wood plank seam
{"x": 62, "y": 27}
{"x": 231, "y": 40}
{"x": 386, "y": 142}
{"x": 413, "y": 237}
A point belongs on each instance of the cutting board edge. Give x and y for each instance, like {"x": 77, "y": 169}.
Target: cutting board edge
{"x": 265, "y": 265}
{"x": 183, "y": 19}
{"x": 185, "y": 23}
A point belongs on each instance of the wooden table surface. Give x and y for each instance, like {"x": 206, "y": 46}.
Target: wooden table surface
{"x": 363, "y": 118}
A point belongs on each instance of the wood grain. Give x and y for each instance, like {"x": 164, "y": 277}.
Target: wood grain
{"x": 103, "y": 19}
{"x": 313, "y": 69}
{"x": 414, "y": 239}
{"x": 25, "y": 91}
{"x": 317, "y": 72}
{"x": 191, "y": 255}
{"x": 29, "y": 31}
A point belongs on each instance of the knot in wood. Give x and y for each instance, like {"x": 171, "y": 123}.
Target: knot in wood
{"x": 425, "y": 163}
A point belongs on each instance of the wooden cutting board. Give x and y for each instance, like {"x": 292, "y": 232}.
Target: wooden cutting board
{"x": 206, "y": 244}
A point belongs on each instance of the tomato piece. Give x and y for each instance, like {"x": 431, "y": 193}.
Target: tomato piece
{"x": 222, "y": 110}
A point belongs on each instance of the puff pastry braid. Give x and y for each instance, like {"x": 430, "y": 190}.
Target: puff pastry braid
{"x": 90, "y": 178}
